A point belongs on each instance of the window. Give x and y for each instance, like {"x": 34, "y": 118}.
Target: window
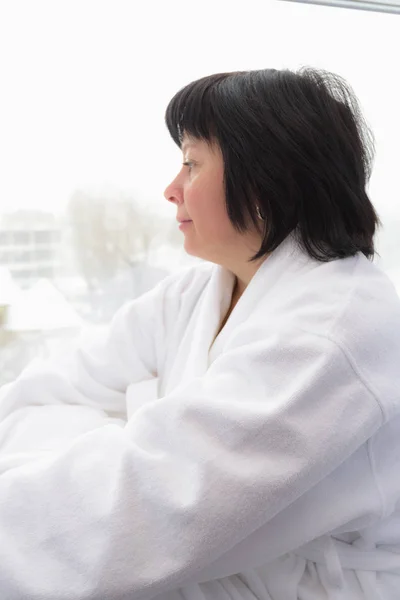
{"x": 5, "y": 238}
{"x": 43, "y": 237}
{"x": 85, "y": 155}
{"x": 46, "y": 272}
{"x": 42, "y": 255}
{"x": 20, "y": 238}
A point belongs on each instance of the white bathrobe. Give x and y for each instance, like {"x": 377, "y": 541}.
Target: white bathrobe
{"x": 157, "y": 462}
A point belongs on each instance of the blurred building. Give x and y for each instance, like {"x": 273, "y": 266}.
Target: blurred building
{"x": 30, "y": 246}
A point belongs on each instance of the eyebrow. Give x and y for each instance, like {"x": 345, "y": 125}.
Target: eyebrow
{"x": 187, "y": 145}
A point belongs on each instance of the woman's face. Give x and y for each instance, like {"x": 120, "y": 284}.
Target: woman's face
{"x": 198, "y": 192}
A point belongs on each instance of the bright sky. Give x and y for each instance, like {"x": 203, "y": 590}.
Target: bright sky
{"x": 85, "y": 84}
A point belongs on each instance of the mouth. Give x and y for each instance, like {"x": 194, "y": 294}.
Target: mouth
{"x": 184, "y": 223}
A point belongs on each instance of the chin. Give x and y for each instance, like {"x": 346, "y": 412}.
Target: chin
{"x": 201, "y": 255}
{"x": 189, "y": 249}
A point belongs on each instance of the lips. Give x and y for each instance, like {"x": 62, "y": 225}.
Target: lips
{"x": 183, "y": 220}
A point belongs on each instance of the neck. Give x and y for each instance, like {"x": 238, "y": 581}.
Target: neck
{"x": 244, "y": 275}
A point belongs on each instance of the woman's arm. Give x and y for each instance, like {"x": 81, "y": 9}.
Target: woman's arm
{"x": 140, "y": 510}
{"x": 98, "y": 369}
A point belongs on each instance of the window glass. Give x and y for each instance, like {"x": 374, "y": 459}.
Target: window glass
{"x": 85, "y": 154}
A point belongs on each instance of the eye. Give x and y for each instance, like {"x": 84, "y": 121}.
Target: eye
{"x": 188, "y": 164}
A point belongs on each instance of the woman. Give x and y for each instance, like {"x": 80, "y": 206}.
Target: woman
{"x": 236, "y": 435}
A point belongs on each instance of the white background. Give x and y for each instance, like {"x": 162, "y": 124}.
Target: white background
{"x": 84, "y": 86}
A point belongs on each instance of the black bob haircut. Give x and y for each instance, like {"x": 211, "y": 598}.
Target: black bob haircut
{"x": 296, "y": 150}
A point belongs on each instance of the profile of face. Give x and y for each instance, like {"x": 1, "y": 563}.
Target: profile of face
{"x": 199, "y": 195}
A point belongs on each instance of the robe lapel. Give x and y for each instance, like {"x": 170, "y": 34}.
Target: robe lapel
{"x": 281, "y": 264}
{"x": 192, "y": 354}
{"x": 192, "y": 357}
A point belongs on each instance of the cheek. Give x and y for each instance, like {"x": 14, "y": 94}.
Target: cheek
{"x": 209, "y": 215}
{"x": 206, "y": 200}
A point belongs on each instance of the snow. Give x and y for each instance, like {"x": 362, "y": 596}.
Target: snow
{"x": 41, "y": 308}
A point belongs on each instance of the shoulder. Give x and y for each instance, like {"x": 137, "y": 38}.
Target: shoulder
{"x": 368, "y": 329}
{"x": 172, "y": 288}
{"x": 189, "y": 279}
{"x": 338, "y": 298}
{"x": 353, "y": 303}
{"x": 165, "y": 301}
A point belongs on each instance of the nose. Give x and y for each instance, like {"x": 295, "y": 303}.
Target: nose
{"x": 173, "y": 192}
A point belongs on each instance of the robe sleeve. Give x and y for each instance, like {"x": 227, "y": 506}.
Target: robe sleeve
{"x": 136, "y": 511}
{"x": 96, "y": 371}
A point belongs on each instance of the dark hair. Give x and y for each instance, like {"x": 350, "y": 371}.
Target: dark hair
{"x": 295, "y": 147}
